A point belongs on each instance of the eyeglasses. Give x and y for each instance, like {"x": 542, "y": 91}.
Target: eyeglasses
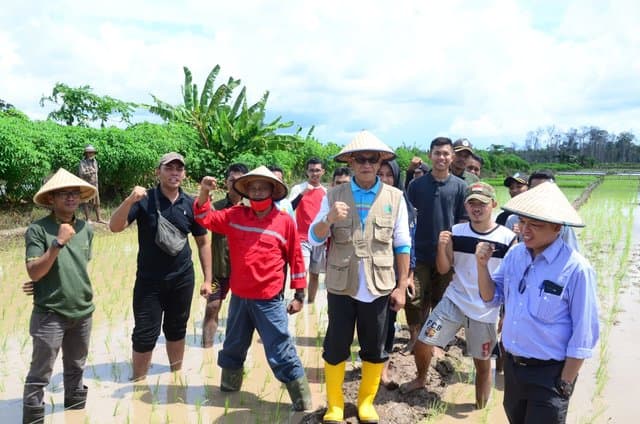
{"x": 361, "y": 160}
{"x": 522, "y": 286}
{"x": 67, "y": 194}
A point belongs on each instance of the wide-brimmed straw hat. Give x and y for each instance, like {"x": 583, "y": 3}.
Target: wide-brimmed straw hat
{"x": 60, "y": 180}
{"x": 261, "y": 173}
{"x": 364, "y": 141}
{"x": 545, "y": 202}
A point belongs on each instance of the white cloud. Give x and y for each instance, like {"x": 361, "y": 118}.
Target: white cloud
{"x": 408, "y": 70}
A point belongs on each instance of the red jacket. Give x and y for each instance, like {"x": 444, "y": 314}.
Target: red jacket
{"x": 259, "y": 248}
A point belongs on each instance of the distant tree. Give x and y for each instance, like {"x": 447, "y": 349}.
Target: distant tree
{"x": 79, "y": 106}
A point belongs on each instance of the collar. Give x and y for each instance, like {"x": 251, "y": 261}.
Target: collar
{"x": 552, "y": 251}
{"x": 355, "y": 188}
{"x": 58, "y": 221}
{"x": 180, "y": 194}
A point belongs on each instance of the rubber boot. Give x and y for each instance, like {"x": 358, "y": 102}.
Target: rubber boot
{"x": 368, "y": 388}
{"x": 77, "y": 399}
{"x": 231, "y": 380}
{"x": 32, "y": 414}
{"x": 334, "y": 377}
{"x": 300, "y": 394}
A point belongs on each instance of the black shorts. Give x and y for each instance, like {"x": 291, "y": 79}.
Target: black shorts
{"x": 219, "y": 289}
{"x": 161, "y": 303}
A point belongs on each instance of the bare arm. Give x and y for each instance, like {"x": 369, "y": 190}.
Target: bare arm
{"x": 486, "y": 285}
{"x": 444, "y": 255}
{"x": 204, "y": 253}
{"x": 397, "y": 299}
{"x": 119, "y": 221}
{"x": 570, "y": 369}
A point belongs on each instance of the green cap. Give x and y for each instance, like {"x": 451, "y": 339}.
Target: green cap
{"x": 480, "y": 191}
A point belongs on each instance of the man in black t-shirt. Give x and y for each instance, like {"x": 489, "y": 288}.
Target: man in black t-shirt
{"x": 164, "y": 283}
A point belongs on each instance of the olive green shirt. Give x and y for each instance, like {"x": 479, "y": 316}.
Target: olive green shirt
{"x": 66, "y": 288}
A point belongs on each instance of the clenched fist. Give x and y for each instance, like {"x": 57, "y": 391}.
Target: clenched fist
{"x": 445, "y": 238}
{"x": 339, "y": 211}
{"x": 484, "y": 251}
{"x": 65, "y": 233}
{"x": 208, "y": 184}
{"x": 137, "y": 194}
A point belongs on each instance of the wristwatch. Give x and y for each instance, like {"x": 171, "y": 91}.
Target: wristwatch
{"x": 55, "y": 243}
{"x": 299, "y": 296}
{"x": 565, "y": 388}
{"x": 326, "y": 219}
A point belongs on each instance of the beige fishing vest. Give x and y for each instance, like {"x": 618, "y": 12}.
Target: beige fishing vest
{"x": 374, "y": 245}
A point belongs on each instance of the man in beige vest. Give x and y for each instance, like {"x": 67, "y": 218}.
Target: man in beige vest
{"x": 368, "y": 225}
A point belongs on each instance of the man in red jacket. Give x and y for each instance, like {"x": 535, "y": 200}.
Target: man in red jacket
{"x": 262, "y": 240}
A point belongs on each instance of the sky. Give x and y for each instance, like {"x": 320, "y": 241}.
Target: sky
{"x": 408, "y": 71}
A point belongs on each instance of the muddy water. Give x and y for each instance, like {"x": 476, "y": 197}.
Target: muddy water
{"x": 621, "y": 393}
{"x": 192, "y": 396}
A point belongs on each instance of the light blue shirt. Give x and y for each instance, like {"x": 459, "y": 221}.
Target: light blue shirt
{"x": 540, "y": 324}
{"x": 363, "y": 199}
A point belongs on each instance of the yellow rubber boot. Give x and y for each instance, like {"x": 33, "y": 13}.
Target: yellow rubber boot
{"x": 334, "y": 377}
{"x": 368, "y": 388}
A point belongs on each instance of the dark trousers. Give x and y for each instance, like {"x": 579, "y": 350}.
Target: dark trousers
{"x": 50, "y": 333}
{"x": 152, "y": 299}
{"x": 430, "y": 287}
{"x": 530, "y": 396}
{"x": 370, "y": 319}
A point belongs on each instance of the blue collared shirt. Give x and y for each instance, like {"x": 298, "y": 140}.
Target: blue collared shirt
{"x": 552, "y": 323}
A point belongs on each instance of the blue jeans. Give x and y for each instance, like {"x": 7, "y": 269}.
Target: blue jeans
{"x": 270, "y": 319}
{"x": 50, "y": 332}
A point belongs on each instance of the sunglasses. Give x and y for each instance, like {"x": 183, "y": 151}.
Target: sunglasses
{"x": 361, "y": 160}
{"x": 522, "y": 286}
{"x": 67, "y": 194}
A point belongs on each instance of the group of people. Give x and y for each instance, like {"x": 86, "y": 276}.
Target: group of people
{"x": 433, "y": 250}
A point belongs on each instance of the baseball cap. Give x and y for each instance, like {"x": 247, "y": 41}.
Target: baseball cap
{"x": 480, "y": 191}
{"x": 462, "y": 144}
{"x": 170, "y": 157}
{"x": 518, "y": 177}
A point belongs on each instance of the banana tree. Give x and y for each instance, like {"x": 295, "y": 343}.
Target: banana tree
{"x": 224, "y": 126}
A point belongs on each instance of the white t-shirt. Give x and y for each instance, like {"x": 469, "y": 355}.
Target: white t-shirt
{"x": 463, "y": 289}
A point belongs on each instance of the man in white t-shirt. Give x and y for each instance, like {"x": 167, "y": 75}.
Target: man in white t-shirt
{"x": 306, "y": 198}
{"x": 461, "y": 305}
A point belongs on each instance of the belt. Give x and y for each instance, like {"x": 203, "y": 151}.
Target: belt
{"x": 532, "y": 362}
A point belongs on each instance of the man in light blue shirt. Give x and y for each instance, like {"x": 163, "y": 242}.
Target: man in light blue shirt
{"x": 551, "y": 309}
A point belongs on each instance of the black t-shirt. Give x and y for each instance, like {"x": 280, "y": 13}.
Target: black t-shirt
{"x": 153, "y": 263}
{"x": 502, "y": 218}
{"x": 440, "y": 205}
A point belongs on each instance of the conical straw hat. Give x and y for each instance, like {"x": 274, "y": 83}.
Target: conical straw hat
{"x": 261, "y": 173}
{"x": 64, "y": 179}
{"x": 364, "y": 141}
{"x": 545, "y": 202}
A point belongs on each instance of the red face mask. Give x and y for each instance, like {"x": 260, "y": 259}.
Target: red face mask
{"x": 260, "y": 205}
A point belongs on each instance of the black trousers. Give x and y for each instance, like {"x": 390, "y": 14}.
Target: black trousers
{"x": 161, "y": 303}
{"x": 371, "y": 321}
{"x": 530, "y": 395}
